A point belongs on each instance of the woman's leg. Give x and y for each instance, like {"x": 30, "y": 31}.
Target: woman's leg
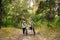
{"x": 26, "y": 32}
{"x": 23, "y": 30}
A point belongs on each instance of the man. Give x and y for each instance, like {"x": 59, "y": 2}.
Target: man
{"x": 24, "y": 25}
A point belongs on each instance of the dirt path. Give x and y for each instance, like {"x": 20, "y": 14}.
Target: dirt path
{"x": 30, "y": 36}
{"x": 17, "y": 35}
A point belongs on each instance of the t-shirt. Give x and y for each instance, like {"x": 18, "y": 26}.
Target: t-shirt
{"x": 24, "y": 25}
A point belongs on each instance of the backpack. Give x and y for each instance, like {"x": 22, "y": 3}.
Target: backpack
{"x": 31, "y": 28}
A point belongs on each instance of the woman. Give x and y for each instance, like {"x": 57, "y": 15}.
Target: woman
{"x": 24, "y": 25}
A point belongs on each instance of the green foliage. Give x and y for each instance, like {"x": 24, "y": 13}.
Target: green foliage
{"x": 41, "y": 8}
{"x": 51, "y": 3}
{"x": 47, "y": 5}
{"x": 59, "y": 9}
{"x": 16, "y": 11}
{"x": 50, "y": 16}
{"x": 58, "y": 22}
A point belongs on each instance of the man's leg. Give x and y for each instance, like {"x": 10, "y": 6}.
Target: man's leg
{"x": 33, "y": 31}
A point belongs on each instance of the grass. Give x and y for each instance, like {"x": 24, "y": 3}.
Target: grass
{"x": 8, "y": 33}
{"x": 50, "y": 33}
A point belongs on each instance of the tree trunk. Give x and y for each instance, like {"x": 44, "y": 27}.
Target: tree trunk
{"x": 0, "y": 13}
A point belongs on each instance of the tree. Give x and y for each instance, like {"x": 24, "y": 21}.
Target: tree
{"x": 47, "y": 6}
{"x": 59, "y": 9}
{"x": 16, "y": 11}
{"x": 1, "y": 10}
